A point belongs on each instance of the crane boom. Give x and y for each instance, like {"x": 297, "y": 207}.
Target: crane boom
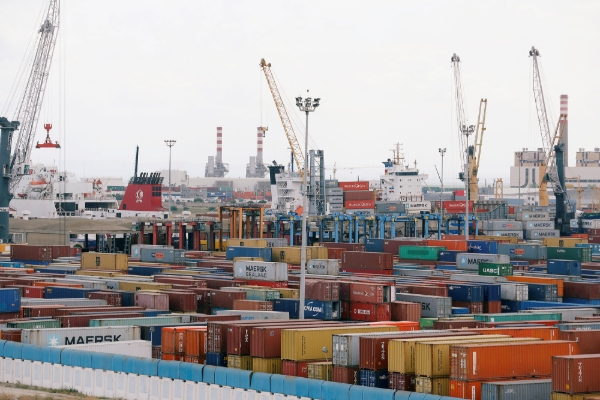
{"x": 31, "y": 104}
{"x": 461, "y": 118}
{"x": 285, "y": 119}
{"x": 475, "y": 152}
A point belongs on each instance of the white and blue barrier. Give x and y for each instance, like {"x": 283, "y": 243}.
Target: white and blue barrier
{"x": 119, "y": 376}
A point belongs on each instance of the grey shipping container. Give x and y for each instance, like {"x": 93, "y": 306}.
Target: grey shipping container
{"x": 335, "y": 199}
{"x": 385, "y": 207}
{"x": 523, "y": 251}
{"x": 336, "y": 207}
{"x": 539, "y": 225}
{"x": 51, "y": 337}
{"x": 517, "y": 234}
{"x": 135, "y": 248}
{"x": 277, "y": 242}
{"x": 248, "y": 315}
{"x": 431, "y": 306}
{"x": 514, "y": 291}
{"x": 502, "y": 225}
{"x": 478, "y": 278}
{"x": 169, "y": 256}
{"x": 531, "y": 389}
{"x": 28, "y": 301}
{"x": 568, "y": 314}
{"x": 471, "y": 261}
{"x": 533, "y": 216}
{"x": 540, "y": 234}
{"x": 331, "y": 184}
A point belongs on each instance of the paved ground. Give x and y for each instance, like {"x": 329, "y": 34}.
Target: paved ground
{"x": 8, "y": 392}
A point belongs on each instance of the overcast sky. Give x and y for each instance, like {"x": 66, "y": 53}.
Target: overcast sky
{"x": 139, "y": 72}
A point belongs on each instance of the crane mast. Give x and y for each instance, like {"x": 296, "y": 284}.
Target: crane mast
{"x": 548, "y": 171}
{"x": 285, "y": 119}
{"x": 31, "y": 104}
{"x": 461, "y": 118}
{"x": 475, "y": 152}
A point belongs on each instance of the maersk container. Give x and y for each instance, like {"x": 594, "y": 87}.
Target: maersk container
{"x": 465, "y": 292}
{"x": 248, "y": 315}
{"x": 57, "y": 292}
{"x": 323, "y": 267}
{"x": 431, "y": 306}
{"x": 10, "y": 300}
{"x": 420, "y": 252}
{"x": 541, "y": 234}
{"x": 501, "y": 225}
{"x": 514, "y": 291}
{"x": 260, "y": 270}
{"x": 168, "y": 256}
{"x": 471, "y": 261}
{"x": 243, "y": 251}
{"x": 374, "y": 245}
{"x": 34, "y": 324}
{"x": 132, "y": 348}
{"x": 494, "y": 269}
{"x": 483, "y": 246}
{"x": 523, "y": 251}
{"x": 564, "y": 267}
{"x": 516, "y": 234}
{"x": 570, "y": 253}
{"x": 531, "y": 389}
{"x": 325, "y": 310}
{"x": 71, "y": 336}
{"x": 540, "y": 225}
{"x": 135, "y": 321}
{"x": 542, "y": 292}
{"x": 135, "y": 248}
{"x": 533, "y": 216}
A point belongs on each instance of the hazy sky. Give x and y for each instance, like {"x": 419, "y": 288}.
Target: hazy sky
{"x": 139, "y": 72}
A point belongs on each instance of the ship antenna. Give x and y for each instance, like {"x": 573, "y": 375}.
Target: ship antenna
{"x": 137, "y": 152}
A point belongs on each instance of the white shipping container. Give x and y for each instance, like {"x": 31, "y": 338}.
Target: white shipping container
{"x": 133, "y": 348}
{"x": 471, "y": 261}
{"x": 87, "y": 284}
{"x": 540, "y": 234}
{"x": 586, "y": 223}
{"x": 540, "y": 225}
{"x": 53, "y": 337}
{"x": 255, "y": 315}
{"x": 478, "y": 278}
{"x": 517, "y": 234}
{"x": 261, "y": 270}
{"x": 568, "y": 314}
{"x": 514, "y": 291}
{"x": 501, "y": 225}
{"x": 277, "y": 242}
{"x": 323, "y": 267}
{"x": 533, "y": 216}
{"x": 29, "y": 301}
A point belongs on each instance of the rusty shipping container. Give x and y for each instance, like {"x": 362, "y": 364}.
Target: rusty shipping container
{"x": 349, "y": 375}
{"x": 322, "y": 290}
{"x": 181, "y": 301}
{"x": 405, "y": 311}
{"x": 589, "y": 341}
{"x": 576, "y": 373}
{"x": 83, "y": 321}
{"x": 253, "y": 305}
{"x": 370, "y": 312}
{"x": 11, "y": 334}
{"x": 297, "y": 368}
{"x": 225, "y": 298}
{"x": 374, "y": 261}
{"x": 195, "y": 343}
{"x": 491, "y": 361}
{"x": 404, "y": 382}
{"x": 582, "y": 290}
{"x": 370, "y": 293}
{"x": 152, "y": 300}
{"x": 112, "y": 298}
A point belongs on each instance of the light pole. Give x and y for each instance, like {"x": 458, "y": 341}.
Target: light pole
{"x": 442, "y": 152}
{"x": 520, "y": 163}
{"x": 170, "y": 143}
{"x": 467, "y": 131}
{"x": 309, "y": 105}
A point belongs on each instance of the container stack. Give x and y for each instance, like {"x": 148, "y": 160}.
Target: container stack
{"x": 335, "y": 198}
{"x": 504, "y": 228}
{"x": 575, "y": 376}
{"x": 537, "y": 225}
{"x": 358, "y": 197}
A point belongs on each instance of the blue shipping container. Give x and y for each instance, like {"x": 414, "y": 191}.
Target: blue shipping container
{"x": 10, "y": 300}
{"x": 378, "y": 379}
{"x": 11, "y": 264}
{"x": 541, "y": 292}
{"x": 127, "y": 298}
{"x": 447, "y": 267}
{"x": 459, "y": 310}
{"x": 57, "y": 292}
{"x": 216, "y": 359}
{"x": 243, "y": 251}
{"x": 291, "y": 306}
{"x": 374, "y": 245}
{"x": 326, "y": 310}
{"x": 594, "y": 302}
{"x": 564, "y": 267}
{"x": 144, "y": 270}
{"x": 483, "y": 246}
{"x": 464, "y": 292}
{"x": 491, "y": 292}
{"x": 448, "y": 255}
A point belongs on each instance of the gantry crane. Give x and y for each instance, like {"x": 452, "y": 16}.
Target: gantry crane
{"x": 16, "y": 163}
{"x": 471, "y": 158}
{"x": 285, "y": 119}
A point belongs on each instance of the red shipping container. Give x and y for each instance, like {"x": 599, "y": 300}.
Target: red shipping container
{"x": 9, "y": 316}
{"x": 203, "y": 296}
{"x": 474, "y": 308}
{"x": 550, "y": 323}
{"x": 195, "y": 343}
{"x": 456, "y": 324}
{"x": 151, "y": 300}
{"x": 405, "y": 382}
{"x": 225, "y": 298}
{"x": 359, "y": 204}
{"x": 370, "y": 293}
{"x": 40, "y": 310}
{"x": 345, "y": 311}
{"x": 367, "y": 271}
{"x": 112, "y": 298}
{"x": 370, "y": 312}
{"x": 458, "y": 245}
{"x": 540, "y": 332}
{"x": 269, "y": 284}
{"x": 213, "y": 283}
{"x": 455, "y": 206}
{"x": 349, "y": 375}
{"x": 180, "y": 301}
{"x": 344, "y": 291}
{"x": 492, "y": 307}
{"x": 322, "y": 290}
{"x": 296, "y": 368}
{"x": 506, "y": 360}
{"x": 253, "y": 305}
{"x": 33, "y": 292}
{"x": 345, "y": 246}
{"x": 83, "y": 321}
{"x": 405, "y": 311}
{"x": 589, "y": 341}
{"x": 441, "y": 291}
{"x": 334, "y": 253}
{"x": 576, "y": 373}
{"x": 10, "y": 334}
{"x": 372, "y": 261}
{"x": 359, "y": 195}
{"x": 180, "y": 281}
{"x": 94, "y": 310}
{"x": 354, "y": 185}
{"x": 582, "y": 290}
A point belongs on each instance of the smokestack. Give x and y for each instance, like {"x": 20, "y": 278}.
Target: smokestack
{"x": 219, "y": 158}
{"x": 564, "y": 109}
{"x": 259, "y": 145}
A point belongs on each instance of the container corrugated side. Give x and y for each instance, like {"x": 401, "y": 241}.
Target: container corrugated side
{"x": 104, "y": 261}
{"x": 133, "y": 348}
{"x": 576, "y": 373}
{"x": 71, "y": 336}
{"x": 307, "y": 344}
{"x": 135, "y": 321}
{"x": 517, "y": 390}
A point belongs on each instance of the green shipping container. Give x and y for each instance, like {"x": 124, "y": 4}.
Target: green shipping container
{"x": 569, "y": 253}
{"x": 261, "y": 294}
{"x": 143, "y": 321}
{"x": 505, "y": 317}
{"x": 36, "y": 324}
{"x": 495, "y": 269}
{"x": 427, "y": 323}
{"x": 429, "y": 253}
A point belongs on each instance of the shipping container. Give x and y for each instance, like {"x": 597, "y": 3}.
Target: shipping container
{"x": 239, "y": 362}
{"x": 564, "y": 267}
{"x": 568, "y": 242}
{"x": 112, "y": 298}
{"x": 135, "y": 321}
{"x": 323, "y": 267}
{"x": 255, "y": 270}
{"x": 576, "y": 373}
{"x": 292, "y": 255}
{"x": 588, "y": 340}
{"x": 66, "y": 292}
{"x": 349, "y": 375}
{"x": 433, "y": 386}
{"x": 403, "y": 382}
{"x": 135, "y": 248}
{"x": 431, "y": 306}
{"x": 514, "y": 291}
{"x": 133, "y": 286}
{"x": 322, "y": 290}
{"x": 582, "y": 290}
{"x": 253, "y": 305}
{"x": 83, "y": 320}
{"x": 507, "y": 317}
{"x": 370, "y": 312}
{"x": 405, "y": 311}
{"x": 570, "y": 253}
{"x": 531, "y": 389}
{"x": 355, "y": 185}
{"x": 236, "y": 242}
{"x": 493, "y": 269}
{"x": 266, "y": 365}
{"x": 359, "y": 259}
{"x": 72, "y": 336}
{"x": 249, "y": 315}
{"x": 465, "y": 292}
{"x": 420, "y": 252}
{"x": 104, "y": 261}
{"x": 505, "y": 234}
{"x": 33, "y": 324}
{"x": 152, "y": 300}
{"x": 543, "y": 292}
{"x": 524, "y": 251}
{"x": 242, "y": 251}
{"x": 132, "y": 348}
{"x": 180, "y": 301}
{"x": 541, "y": 234}
{"x": 168, "y": 256}
{"x": 10, "y": 300}
{"x": 376, "y": 379}
{"x": 320, "y": 370}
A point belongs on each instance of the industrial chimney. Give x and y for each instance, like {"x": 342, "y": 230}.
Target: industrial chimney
{"x": 215, "y": 168}
{"x": 256, "y": 168}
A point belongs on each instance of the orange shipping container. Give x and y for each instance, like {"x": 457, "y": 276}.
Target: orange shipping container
{"x": 467, "y": 389}
{"x": 195, "y": 342}
{"x": 507, "y": 360}
{"x": 560, "y": 284}
{"x": 458, "y": 245}
{"x": 46, "y": 284}
{"x": 173, "y": 339}
{"x": 539, "y": 332}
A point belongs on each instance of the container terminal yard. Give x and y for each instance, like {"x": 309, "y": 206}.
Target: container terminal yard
{"x": 293, "y": 284}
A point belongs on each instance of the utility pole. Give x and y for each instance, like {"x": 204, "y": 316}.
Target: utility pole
{"x": 467, "y": 131}
{"x": 442, "y": 152}
{"x": 309, "y": 105}
{"x": 170, "y": 143}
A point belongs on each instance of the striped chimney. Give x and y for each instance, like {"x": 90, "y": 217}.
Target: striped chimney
{"x": 219, "y": 159}
{"x": 564, "y": 109}
{"x": 259, "y": 145}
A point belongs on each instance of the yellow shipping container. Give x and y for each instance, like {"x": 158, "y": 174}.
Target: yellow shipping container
{"x": 289, "y": 293}
{"x": 511, "y": 239}
{"x": 266, "y": 365}
{"x": 4, "y": 248}
{"x": 136, "y": 286}
{"x": 402, "y": 352}
{"x": 307, "y": 344}
{"x": 433, "y": 358}
{"x": 320, "y": 370}
{"x": 293, "y": 254}
{"x": 562, "y": 242}
{"x": 437, "y": 386}
{"x": 91, "y": 272}
{"x": 246, "y": 242}
{"x": 239, "y": 362}
{"x": 248, "y": 259}
{"x": 566, "y": 396}
{"x": 105, "y": 261}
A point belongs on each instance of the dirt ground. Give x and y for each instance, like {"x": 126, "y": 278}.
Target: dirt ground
{"x": 10, "y": 392}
